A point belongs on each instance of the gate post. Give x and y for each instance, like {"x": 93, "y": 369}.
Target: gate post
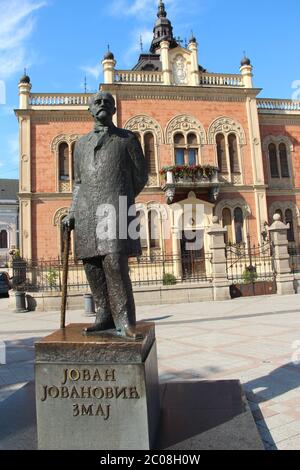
{"x": 219, "y": 273}
{"x": 284, "y": 277}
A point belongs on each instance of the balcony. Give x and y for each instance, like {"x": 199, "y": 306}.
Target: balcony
{"x": 186, "y": 177}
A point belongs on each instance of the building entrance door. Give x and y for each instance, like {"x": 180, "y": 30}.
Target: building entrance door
{"x": 192, "y": 254}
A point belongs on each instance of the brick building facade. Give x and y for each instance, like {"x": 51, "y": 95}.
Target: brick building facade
{"x": 243, "y": 151}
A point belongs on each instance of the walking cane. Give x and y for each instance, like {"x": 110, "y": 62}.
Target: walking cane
{"x": 67, "y": 239}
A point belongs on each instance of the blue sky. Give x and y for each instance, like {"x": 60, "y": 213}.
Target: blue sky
{"x": 61, "y": 41}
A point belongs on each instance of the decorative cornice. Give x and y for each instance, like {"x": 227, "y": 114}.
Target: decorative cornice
{"x": 279, "y": 119}
{"x": 180, "y": 93}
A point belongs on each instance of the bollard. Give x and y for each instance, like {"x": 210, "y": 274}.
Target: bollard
{"x": 89, "y": 305}
{"x": 20, "y": 302}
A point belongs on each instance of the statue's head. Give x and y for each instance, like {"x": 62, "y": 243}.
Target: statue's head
{"x": 103, "y": 107}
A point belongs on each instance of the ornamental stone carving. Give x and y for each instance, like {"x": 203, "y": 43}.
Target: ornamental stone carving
{"x": 144, "y": 123}
{"x": 59, "y": 214}
{"x": 180, "y": 75}
{"x": 277, "y": 140}
{"x": 226, "y": 125}
{"x": 233, "y": 204}
{"x": 185, "y": 123}
{"x": 284, "y": 206}
{"x": 69, "y": 139}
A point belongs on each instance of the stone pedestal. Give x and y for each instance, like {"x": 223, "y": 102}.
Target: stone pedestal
{"x": 97, "y": 392}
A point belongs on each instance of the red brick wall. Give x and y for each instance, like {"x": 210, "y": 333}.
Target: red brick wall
{"x": 292, "y": 132}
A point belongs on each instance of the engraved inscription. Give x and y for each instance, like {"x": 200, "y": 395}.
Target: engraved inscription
{"x": 98, "y": 384}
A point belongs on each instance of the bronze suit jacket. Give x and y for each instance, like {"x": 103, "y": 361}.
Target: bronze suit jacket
{"x": 110, "y": 171}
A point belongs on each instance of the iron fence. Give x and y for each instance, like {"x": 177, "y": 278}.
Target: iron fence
{"x": 47, "y": 275}
{"x": 248, "y": 264}
{"x": 294, "y": 252}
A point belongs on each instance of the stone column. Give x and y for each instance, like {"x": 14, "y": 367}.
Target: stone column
{"x": 193, "y": 48}
{"x": 247, "y": 74}
{"x": 109, "y": 64}
{"x": 164, "y": 57}
{"x": 284, "y": 277}
{"x": 217, "y": 247}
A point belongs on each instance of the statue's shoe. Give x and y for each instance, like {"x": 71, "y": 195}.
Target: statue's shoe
{"x": 103, "y": 326}
{"x": 131, "y": 333}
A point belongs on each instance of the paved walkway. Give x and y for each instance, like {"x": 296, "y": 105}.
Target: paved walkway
{"x": 248, "y": 339}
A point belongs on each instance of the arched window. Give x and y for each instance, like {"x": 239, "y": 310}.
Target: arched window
{"x": 192, "y": 149}
{"x": 233, "y": 154}
{"x": 186, "y": 149}
{"x": 3, "y": 239}
{"x": 283, "y": 157}
{"x": 179, "y": 143}
{"x": 221, "y": 153}
{"x": 64, "y": 167}
{"x": 150, "y": 153}
{"x": 227, "y": 223}
{"x": 289, "y": 220}
{"x": 72, "y": 161}
{"x": 273, "y": 161}
{"x": 154, "y": 232}
{"x": 238, "y": 224}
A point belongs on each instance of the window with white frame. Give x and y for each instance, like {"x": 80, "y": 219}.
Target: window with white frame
{"x": 186, "y": 149}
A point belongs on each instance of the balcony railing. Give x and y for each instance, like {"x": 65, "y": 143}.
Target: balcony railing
{"x": 59, "y": 99}
{"x": 193, "y": 177}
{"x": 156, "y": 78}
{"x": 137, "y": 77}
{"x": 221, "y": 80}
{"x": 265, "y": 104}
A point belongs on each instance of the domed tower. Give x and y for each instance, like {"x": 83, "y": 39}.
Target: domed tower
{"x": 163, "y": 30}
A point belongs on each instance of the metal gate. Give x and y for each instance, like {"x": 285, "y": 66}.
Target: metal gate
{"x": 251, "y": 269}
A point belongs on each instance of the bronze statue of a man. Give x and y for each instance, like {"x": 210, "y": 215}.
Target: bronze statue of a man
{"x": 110, "y": 171}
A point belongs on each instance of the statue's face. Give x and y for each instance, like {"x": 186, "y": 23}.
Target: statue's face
{"x": 103, "y": 107}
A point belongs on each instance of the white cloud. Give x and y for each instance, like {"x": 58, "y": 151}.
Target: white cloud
{"x": 135, "y": 48}
{"x": 17, "y": 23}
{"x": 94, "y": 71}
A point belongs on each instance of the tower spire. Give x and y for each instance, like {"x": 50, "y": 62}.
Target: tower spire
{"x": 161, "y": 10}
{"x": 163, "y": 30}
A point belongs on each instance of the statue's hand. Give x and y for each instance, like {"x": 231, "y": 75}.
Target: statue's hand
{"x": 69, "y": 222}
